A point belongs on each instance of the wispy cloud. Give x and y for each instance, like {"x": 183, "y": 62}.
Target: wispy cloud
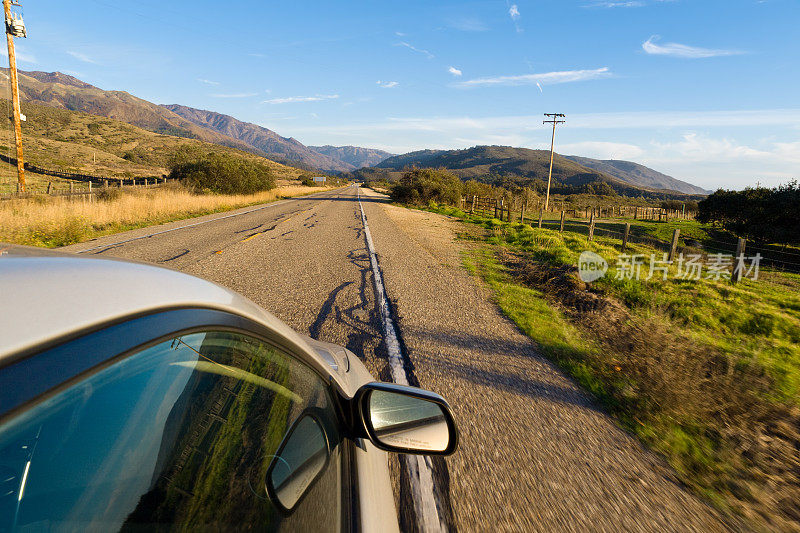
{"x": 454, "y": 71}
{"x": 513, "y": 12}
{"x": 415, "y": 49}
{"x": 468, "y": 24}
{"x": 233, "y": 95}
{"x": 388, "y": 84}
{"x": 22, "y": 56}
{"x": 296, "y": 99}
{"x": 544, "y": 78}
{"x": 207, "y": 82}
{"x": 682, "y": 50}
{"x": 612, "y": 4}
{"x": 81, "y": 57}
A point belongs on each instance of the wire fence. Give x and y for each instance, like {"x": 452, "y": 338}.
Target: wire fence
{"x": 80, "y": 177}
{"x": 769, "y": 255}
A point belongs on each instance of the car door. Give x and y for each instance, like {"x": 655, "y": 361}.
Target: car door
{"x": 185, "y": 420}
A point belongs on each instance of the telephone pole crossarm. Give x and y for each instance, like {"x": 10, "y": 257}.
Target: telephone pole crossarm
{"x": 554, "y": 121}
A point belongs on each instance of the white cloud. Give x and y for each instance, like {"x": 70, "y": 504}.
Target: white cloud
{"x": 81, "y": 57}
{"x": 602, "y": 150}
{"x": 233, "y": 95}
{"x": 546, "y": 78}
{"x": 22, "y": 56}
{"x": 388, "y": 84}
{"x": 513, "y": 11}
{"x": 454, "y": 71}
{"x": 415, "y": 49}
{"x": 631, "y": 3}
{"x": 207, "y": 82}
{"x": 295, "y": 99}
{"x": 682, "y": 50}
{"x": 468, "y": 24}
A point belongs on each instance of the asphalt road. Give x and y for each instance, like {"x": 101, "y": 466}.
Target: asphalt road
{"x": 536, "y": 454}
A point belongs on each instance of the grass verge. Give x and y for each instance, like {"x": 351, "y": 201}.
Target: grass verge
{"x": 56, "y": 221}
{"x": 705, "y": 373}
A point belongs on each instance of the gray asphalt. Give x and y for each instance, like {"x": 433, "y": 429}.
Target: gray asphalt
{"x": 536, "y": 454}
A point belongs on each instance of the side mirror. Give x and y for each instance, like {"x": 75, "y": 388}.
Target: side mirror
{"x": 298, "y": 463}
{"x": 407, "y": 419}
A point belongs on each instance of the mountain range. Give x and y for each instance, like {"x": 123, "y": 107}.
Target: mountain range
{"x": 55, "y": 89}
{"x": 495, "y": 162}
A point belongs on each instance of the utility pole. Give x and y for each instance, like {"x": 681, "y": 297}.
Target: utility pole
{"x": 554, "y": 121}
{"x": 15, "y": 27}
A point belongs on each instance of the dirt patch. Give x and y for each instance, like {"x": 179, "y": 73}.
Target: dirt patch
{"x": 740, "y": 444}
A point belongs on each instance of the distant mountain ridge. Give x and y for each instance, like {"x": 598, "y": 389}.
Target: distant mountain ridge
{"x": 274, "y": 146}
{"x": 355, "y": 156}
{"x": 480, "y": 162}
{"x": 59, "y": 90}
{"x": 637, "y": 174}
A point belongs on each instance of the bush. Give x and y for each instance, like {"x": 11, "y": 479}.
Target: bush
{"x": 420, "y": 186}
{"x": 224, "y": 174}
{"x": 765, "y": 215}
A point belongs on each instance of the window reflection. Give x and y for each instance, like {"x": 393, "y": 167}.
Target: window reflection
{"x": 179, "y": 435}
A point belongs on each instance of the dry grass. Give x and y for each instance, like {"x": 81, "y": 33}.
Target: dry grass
{"x": 51, "y": 222}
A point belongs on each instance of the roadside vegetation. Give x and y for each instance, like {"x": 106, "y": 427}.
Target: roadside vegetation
{"x": 702, "y": 371}
{"x": 59, "y": 221}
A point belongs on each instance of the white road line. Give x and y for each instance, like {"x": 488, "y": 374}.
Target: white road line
{"x": 418, "y": 466}
{"x": 272, "y": 204}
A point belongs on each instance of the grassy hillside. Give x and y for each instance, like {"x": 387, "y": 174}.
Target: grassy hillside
{"x": 73, "y": 141}
{"x": 54, "y": 89}
{"x": 491, "y": 163}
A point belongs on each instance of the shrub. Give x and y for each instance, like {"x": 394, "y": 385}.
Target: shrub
{"x": 420, "y": 186}
{"x": 224, "y": 174}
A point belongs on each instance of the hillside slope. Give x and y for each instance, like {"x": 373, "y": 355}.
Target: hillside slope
{"x": 284, "y": 149}
{"x": 58, "y": 90}
{"x": 73, "y": 141}
{"x": 355, "y": 156}
{"x": 638, "y": 175}
{"x": 488, "y": 163}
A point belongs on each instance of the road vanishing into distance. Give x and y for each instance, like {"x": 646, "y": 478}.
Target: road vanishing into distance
{"x": 535, "y": 452}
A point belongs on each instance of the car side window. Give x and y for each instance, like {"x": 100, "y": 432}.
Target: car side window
{"x": 177, "y": 436}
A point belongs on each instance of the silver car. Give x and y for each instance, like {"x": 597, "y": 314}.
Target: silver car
{"x": 133, "y": 397}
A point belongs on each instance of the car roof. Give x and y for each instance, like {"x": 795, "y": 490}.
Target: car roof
{"x": 46, "y": 296}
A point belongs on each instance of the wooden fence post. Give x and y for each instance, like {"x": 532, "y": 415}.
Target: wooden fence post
{"x": 625, "y": 235}
{"x": 495, "y": 208}
{"x": 472, "y": 207}
{"x": 674, "y": 246}
{"x": 591, "y": 227}
{"x": 541, "y": 215}
{"x": 522, "y": 213}
{"x": 561, "y": 228}
{"x": 49, "y": 187}
{"x": 738, "y": 261}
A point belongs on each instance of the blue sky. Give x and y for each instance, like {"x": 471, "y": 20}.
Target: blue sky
{"x": 704, "y": 90}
